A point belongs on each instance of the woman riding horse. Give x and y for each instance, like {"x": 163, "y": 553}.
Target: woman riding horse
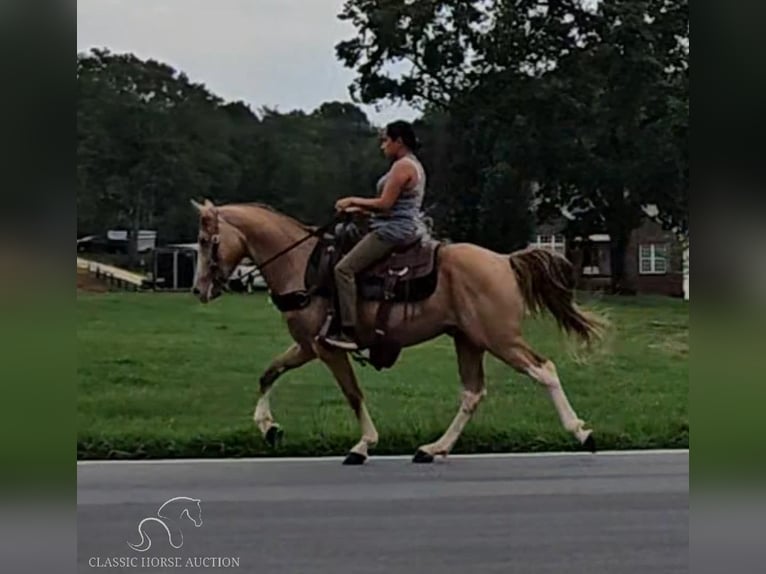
{"x": 396, "y": 221}
{"x": 480, "y": 300}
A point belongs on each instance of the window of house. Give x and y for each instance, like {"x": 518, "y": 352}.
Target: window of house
{"x": 653, "y": 258}
{"x": 555, "y": 243}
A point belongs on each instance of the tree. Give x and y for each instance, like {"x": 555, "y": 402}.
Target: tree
{"x": 475, "y": 194}
{"x": 625, "y": 94}
{"x": 589, "y": 102}
{"x": 449, "y": 57}
{"x": 145, "y": 135}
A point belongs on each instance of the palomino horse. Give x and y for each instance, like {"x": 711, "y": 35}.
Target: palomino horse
{"x": 480, "y": 300}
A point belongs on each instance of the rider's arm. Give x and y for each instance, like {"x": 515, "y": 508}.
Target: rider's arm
{"x": 396, "y": 182}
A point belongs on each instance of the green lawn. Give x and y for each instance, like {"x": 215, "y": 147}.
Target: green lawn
{"x": 161, "y": 375}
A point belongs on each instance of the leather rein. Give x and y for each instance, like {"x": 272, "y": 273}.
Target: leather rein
{"x": 284, "y": 302}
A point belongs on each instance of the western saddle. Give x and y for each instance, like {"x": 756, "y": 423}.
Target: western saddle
{"x": 407, "y": 276}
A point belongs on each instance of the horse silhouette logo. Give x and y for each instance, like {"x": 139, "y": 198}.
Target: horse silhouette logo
{"x": 169, "y": 516}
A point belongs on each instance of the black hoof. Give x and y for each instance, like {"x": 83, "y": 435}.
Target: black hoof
{"x": 354, "y": 459}
{"x": 589, "y": 444}
{"x": 422, "y": 456}
{"x": 274, "y": 436}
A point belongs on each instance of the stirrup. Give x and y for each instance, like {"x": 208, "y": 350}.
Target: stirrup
{"x": 341, "y": 342}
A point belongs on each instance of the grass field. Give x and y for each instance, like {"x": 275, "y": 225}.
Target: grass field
{"x": 163, "y": 376}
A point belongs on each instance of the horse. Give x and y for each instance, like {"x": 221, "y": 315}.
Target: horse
{"x": 480, "y": 300}
{"x": 168, "y": 516}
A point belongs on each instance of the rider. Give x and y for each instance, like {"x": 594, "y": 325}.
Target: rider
{"x": 396, "y": 221}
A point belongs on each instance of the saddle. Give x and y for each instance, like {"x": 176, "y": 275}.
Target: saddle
{"x": 408, "y": 275}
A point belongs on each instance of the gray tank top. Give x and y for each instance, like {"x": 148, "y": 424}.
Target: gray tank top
{"x": 403, "y": 223}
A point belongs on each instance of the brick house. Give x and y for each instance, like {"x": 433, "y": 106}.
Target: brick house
{"x": 655, "y": 261}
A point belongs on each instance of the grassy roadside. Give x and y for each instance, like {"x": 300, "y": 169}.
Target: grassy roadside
{"x": 160, "y": 375}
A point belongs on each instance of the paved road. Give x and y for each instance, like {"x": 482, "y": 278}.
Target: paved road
{"x": 595, "y": 514}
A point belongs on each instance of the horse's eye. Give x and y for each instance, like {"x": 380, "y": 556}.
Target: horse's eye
{"x": 202, "y": 241}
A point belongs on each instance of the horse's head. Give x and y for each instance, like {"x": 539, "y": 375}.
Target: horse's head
{"x": 181, "y": 506}
{"x": 219, "y": 250}
{"x": 194, "y": 512}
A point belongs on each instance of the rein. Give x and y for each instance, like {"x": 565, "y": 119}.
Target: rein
{"x": 293, "y": 300}
{"x": 318, "y": 231}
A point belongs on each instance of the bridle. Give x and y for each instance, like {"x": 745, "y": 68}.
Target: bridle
{"x": 217, "y": 276}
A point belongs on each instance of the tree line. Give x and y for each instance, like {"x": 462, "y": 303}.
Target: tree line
{"x": 149, "y": 139}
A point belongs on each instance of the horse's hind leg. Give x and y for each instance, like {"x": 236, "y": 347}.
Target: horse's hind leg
{"x": 470, "y": 363}
{"x": 292, "y": 358}
{"x": 522, "y": 358}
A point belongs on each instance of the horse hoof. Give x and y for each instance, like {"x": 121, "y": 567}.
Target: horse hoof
{"x": 422, "y": 456}
{"x": 589, "y": 444}
{"x": 274, "y": 436}
{"x": 354, "y": 459}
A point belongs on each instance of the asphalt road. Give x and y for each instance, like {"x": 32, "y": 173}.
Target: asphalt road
{"x": 595, "y": 514}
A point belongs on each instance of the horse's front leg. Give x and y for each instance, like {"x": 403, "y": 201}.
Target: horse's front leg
{"x": 292, "y": 358}
{"x": 338, "y": 363}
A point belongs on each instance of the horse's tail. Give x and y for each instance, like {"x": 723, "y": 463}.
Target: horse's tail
{"x": 145, "y": 542}
{"x": 546, "y": 280}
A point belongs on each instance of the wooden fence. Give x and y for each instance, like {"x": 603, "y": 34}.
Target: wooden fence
{"x": 114, "y": 276}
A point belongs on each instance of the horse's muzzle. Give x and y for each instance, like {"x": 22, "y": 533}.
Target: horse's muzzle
{"x": 212, "y": 292}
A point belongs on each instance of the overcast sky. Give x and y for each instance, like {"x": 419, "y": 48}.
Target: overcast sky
{"x": 276, "y": 53}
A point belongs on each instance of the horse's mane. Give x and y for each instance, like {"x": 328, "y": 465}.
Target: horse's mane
{"x": 270, "y": 209}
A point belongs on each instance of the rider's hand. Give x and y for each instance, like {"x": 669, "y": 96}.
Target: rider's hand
{"x": 344, "y": 203}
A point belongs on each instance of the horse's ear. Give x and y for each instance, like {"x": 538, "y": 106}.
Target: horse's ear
{"x": 209, "y": 204}
{"x": 198, "y": 206}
